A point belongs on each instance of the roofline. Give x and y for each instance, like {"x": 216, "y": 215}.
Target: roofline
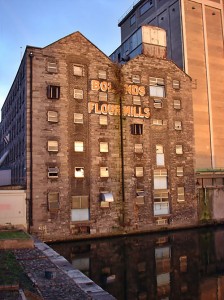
{"x": 129, "y": 12}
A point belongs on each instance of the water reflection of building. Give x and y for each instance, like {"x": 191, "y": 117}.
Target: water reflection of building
{"x": 107, "y": 149}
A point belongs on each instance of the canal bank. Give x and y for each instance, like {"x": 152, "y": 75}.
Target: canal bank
{"x": 52, "y": 277}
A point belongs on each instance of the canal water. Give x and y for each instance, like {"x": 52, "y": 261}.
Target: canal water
{"x": 186, "y": 264}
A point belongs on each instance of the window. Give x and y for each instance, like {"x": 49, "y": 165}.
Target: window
{"x": 53, "y": 172}
{"x": 103, "y": 120}
{"x": 158, "y": 103}
{"x": 102, "y": 96}
{"x": 78, "y": 94}
{"x": 53, "y": 201}
{"x": 177, "y": 104}
{"x": 137, "y": 129}
{"x": 80, "y": 208}
{"x": 140, "y": 197}
{"x": 178, "y": 125}
{"x": 136, "y": 78}
{"x": 102, "y": 74}
{"x": 139, "y": 171}
{"x": 180, "y": 171}
{"x": 78, "y": 70}
{"x": 132, "y": 20}
{"x": 104, "y": 172}
{"x": 78, "y": 146}
{"x": 79, "y": 172}
{"x": 160, "y": 179}
{"x": 156, "y": 87}
{"x": 161, "y": 208}
{"x": 136, "y": 100}
{"x": 53, "y": 92}
{"x": 78, "y": 118}
{"x": 157, "y": 122}
{"x": 52, "y": 116}
{"x": 52, "y": 146}
{"x": 179, "y": 149}
{"x": 138, "y": 148}
{"x": 159, "y": 155}
{"x": 176, "y": 84}
{"x": 52, "y": 67}
{"x": 180, "y": 194}
{"x": 104, "y": 147}
{"x": 146, "y": 6}
{"x": 161, "y": 196}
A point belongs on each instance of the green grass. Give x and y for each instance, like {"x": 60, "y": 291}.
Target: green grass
{"x": 8, "y": 235}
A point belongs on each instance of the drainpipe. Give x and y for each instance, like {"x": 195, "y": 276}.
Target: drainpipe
{"x": 122, "y": 160}
{"x": 30, "y": 211}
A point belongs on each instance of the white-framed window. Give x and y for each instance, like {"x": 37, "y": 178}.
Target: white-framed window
{"x": 157, "y": 122}
{"x": 102, "y": 96}
{"x": 161, "y": 208}
{"x": 176, "y": 84}
{"x": 157, "y": 103}
{"x": 179, "y": 149}
{"x": 178, "y": 125}
{"x": 53, "y": 172}
{"x": 180, "y": 171}
{"x": 160, "y": 155}
{"x": 161, "y": 196}
{"x": 136, "y": 78}
{"x": 52, "y": 116}
{"x": 78, "y": 70}
{"x": 52, "y": 146}
{"x": 78, "y": 118}
{"x": 80, "y": 208}
{"x": 52, "y": 67}
{"x": 102, "y": 74}
{"x": 139, "y": 171}
{"x": 156, "y": 87}
{"x": 53, "y": 92}
{"x": 103, "y": 120}
{"x": 138, "y": 148}
{"x": 53, "y": 201}
{"x": 78, "y": 93}
{"x": 136, "y": 100}
{"x": 177, "y": 104}
{"x": 160, "y": 179}
{"x": 137, "y": 129}
{"x": 104, "y": 147}
{"x": 180, "y": 194}
{"x": 78, "y": 146}
{"x": 104, "y": 172}
{"x": 79, "y": 172}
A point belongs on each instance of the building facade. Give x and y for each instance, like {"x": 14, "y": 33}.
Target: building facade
{"x": 105, "y": 148}
{"x": 195, "y": 43}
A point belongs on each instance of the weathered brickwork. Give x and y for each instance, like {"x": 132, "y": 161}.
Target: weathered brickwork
{"x": 106, "y": 162}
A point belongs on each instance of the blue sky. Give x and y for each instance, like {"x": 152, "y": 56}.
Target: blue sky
{"x": 39, "y": 23}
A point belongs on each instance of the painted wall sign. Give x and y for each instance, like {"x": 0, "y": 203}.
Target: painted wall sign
{"x": 114, "y": 110}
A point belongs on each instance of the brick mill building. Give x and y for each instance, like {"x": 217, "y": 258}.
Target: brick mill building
{"x": 101, "y": 148}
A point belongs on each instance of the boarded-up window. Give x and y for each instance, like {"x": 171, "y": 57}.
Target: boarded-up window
{"x": 158, "y": 103}
{"x": 178, "y": 125}
{"x": 180, "y": 171}
{"x": 139, "y": 171}
{"x": 176, "y": 84}
{"x": 179, "y": 149}
{"x": 104, "y": 147}
{"x": 78, "y": 94}
{"x": 104, "y": 172}
{"x": 52, "y": 146}
{"x": 102, "y": 96}
{"x": 52, "y": 116}
{"x": 103, "y": 120}
{"x": 180, "y": 194}
{"x": 136, "y": 100}
{"x": 138, "y": 148}
{"x": 78, "y": 70}
{"x": 136, "y": 78}
{"x": 80, "y": 202}
{"x": 78, "y": 118}
{"x": 177, "y": 104}
{"x": 102, "y": 74}
{"x": 52, "y": 67}
{"x": 78, "y": 146}
{"x": 53, "y": 201}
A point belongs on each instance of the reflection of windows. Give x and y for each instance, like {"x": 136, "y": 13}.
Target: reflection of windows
{"x": 180, "y": 194}
{"x": 78, "y": 94}
{"x": 79, "y": 172}
{"x": 52, "y": 146}
{"x": 179, "y": 149}
{"x": 78, "y": 146}
{"x": 52, "y": 116}
{"x": 103, "y": 120}
{"x": 80, "y": 208}
{"x": 159, "y": 155}
{"x": 53, "y": 201}
{"x": 156, "y": 87}
{"x": 104, "y": 147}
{"x": 160, "y": 179}
{"x": 78, "y": 118}
{"x": 104, "y": 172}
{"x": 137, "y": 129}
{"x": 78, "y": 70}
{"x": 53, "y": 92}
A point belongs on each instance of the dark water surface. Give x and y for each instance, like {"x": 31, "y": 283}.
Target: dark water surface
{"x": 178, "y": 265}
